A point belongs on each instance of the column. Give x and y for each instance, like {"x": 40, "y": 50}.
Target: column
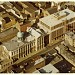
{"x": 36, "y": 44}
{"x": 43, "y": 42}
{"x": 50, "y": 38}
{"x": 29, "y": 47}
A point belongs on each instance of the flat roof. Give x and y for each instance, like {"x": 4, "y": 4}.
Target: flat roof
{"x": 71, "y": 35}
{"x": 48, "y": 69}
{"x": 29, "y": 38}
{"x": 53, "y": 20}
{"x": 8, "y": 32}
{"x": 39, "y": 61}
{"x": 30, "y": 5}
{"x": 34, "y": 33}
{"x": 12, "y": 44}
{"x": 52, "y": 10}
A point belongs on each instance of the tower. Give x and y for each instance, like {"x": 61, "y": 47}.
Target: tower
{"x": 20, "y": 36}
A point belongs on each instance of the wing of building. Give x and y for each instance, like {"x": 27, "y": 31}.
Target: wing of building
{"x": 57, "y": 24}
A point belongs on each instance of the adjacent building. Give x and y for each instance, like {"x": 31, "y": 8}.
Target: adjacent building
{"x": 50, "y": 11}
{"x": 7, "y": 21}
{"x": 47, "y": 69}
{"x": 70, "y": 38}
{"x": 5, "y": 35}
{"x": 56, "y": 25}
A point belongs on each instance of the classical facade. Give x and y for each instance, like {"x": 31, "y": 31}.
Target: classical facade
{"x": 25, "y": 43}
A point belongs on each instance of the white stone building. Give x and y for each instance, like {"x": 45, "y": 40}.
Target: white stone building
{"x": 56, "y": 25}
{"x": 24, "y": 43}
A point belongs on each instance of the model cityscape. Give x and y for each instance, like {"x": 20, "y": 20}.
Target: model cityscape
{"x": 37, "y": 37}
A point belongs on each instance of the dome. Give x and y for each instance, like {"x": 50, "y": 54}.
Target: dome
{"x": 20, "y": 34}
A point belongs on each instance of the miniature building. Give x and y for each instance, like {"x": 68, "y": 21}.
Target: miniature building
{"x": 67, "y": 53}
{"x": 70, "y": 38}
{"x": 5, "y": 35}
{"x": 40, "y": 4}
{"x": 50, "y": 11}
{"x": 55, "y": 25}
{"x": 23, "y": 27}
{"x": 39, "y": 63}
{"x": 29, "y": 8}
{"x": 39, "y": 37}
{"x": 47, "y": 69}
{"x": 5, "y": 60}
{"x": 7, "y": 21}
{"x": 70, "y": 41}
{"x": 25, "y": 43}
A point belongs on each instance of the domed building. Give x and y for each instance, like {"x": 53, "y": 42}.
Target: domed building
{"x": 20, "y": 36}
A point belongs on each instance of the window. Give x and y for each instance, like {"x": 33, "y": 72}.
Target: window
{"x": 12, "y": 53}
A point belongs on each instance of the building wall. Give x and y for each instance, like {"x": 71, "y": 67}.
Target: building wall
{"x": 4, "y": 66}
{"x": 23, "y": 27}
{"x": 74, "y": 43}
{"x": 69, "y": 39}
{"x": 8, "y": 25}
{"x": 40, "y": 65}
{"x": 57, "y": 32}
{"x": 70, "y": 27}
{"x": 8, "y": 37}
{"x": 23, "y": 50}
{"x": 46, "y": 13}
{"x": 32, "y": 14}
{"x": 40, "y": 43}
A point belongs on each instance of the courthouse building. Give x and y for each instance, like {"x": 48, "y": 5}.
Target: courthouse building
{"x": 25, "y": 43}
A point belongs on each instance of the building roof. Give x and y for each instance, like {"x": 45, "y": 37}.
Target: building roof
{"x": 8, "y": 32}
{"x": 30, "y": 10}
{"x": 5, "y": 6}
{"x": 17, "y": 6}
{"x": 39, "y": 61}
{"x": 52, "y": 10}
{"x": 33, "y": 32}
{"x": 47, "y": 69}
{"x": 30, "y": 38}
{"x": 30, "y": 5}
{"x": 7, "y": 15}
{"x": 62, "y": 47}
{"x": 53, "y": 51}
{"x": 71, "y": 35}
{"x": 7, "y": 19}
{"x": 13, "y": 44}
{"x": 58, "y": 17}
{"x": 5, "y": 61}
{"x": 2, "y": 9}
{"x": 8, "y": 4}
